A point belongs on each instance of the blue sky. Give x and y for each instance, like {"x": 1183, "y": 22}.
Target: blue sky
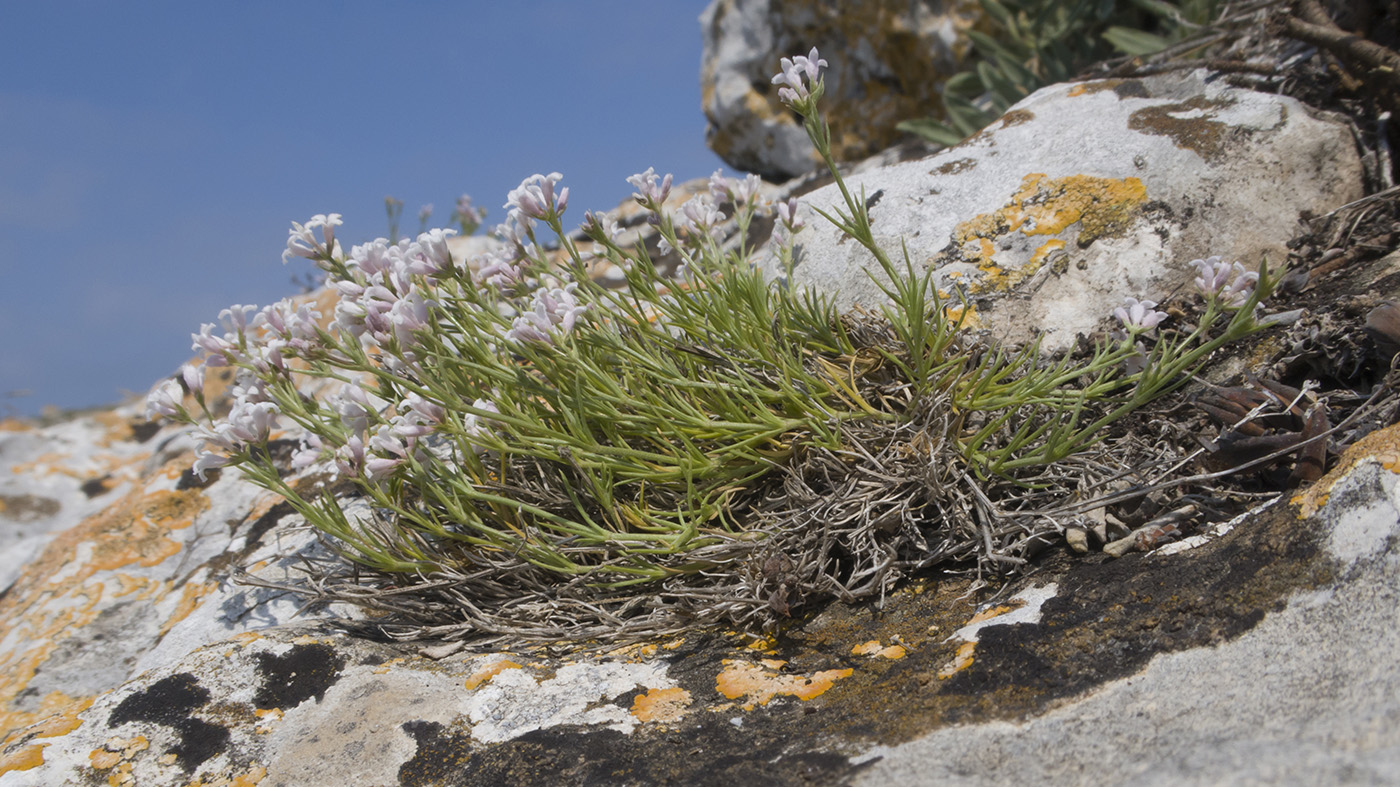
{"x": 153, "y": 155}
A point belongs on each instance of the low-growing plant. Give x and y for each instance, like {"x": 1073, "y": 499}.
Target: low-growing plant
{"x": 508, "y": 446}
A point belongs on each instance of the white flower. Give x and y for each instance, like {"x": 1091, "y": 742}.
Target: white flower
{"x": 471, "y": 423}
{"x": 649, "y": 192}
{"x": 535, "y": 197}
{"x": 555, "y": 312}
{"x": 166, "y": 399}
{"x": 429, "y": 255}
{"x": 1214, "y": 275}
{"x": 794, "y": 89}
{"x": 301, "y": 239}
{"x": 193, "y": 374}
{"x": 1138, "y": 316}
{"x": 701, "y": 215}
{"x": 787, "y": 214}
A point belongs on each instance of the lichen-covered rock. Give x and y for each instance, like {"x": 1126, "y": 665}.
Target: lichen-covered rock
{"x": 889, "y": 62}
{"x": 130, "y": 655}
{"x": 1256, "y": 648}
{"x": 1085, "y": 193}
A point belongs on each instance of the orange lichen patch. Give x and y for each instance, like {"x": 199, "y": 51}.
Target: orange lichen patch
{"x": 16, "y": 425}
{"x": 1046, "y": 249}
{"x": 867, "y": 648}
{"x": 488, "y": 672}
{"x": 1382, "y": 445}
{"x": 635, "y": 652}
{"x": 60, "y": 715}
{"x": 131, "y": 531}
{"x": 53, "y": 598}
{"x": 118, "y": 428}
{"x": 267, "y": 719}
{"x": 246, "y": 638}
{"x": 22, "y": 759}
{"x": 190, "y": 596}
{"x": 43, "y": 464}
{"x": 765, "y": 645}
{"x": 874, "y": 649}
{"x": 388, "y": 666}
{"x": 758, "y": 684}
{"x": 115, "y": 752}
{"x": 661, "y": 705}
{"x": 56, "y": 715}
{"x": 961, "y": 661}
{"x": 142, "y": 587}
{"x": 991, "y": 612}
{"x": 1101, "y": 207}
{"x": 966, "y": 313}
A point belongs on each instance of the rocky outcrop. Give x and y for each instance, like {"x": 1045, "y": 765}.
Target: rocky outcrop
{"x": 1085, "y": 193}
{"x": 130, "y": 659}
{"x": 132, "y": 651}
{"x": 890, "y": 60}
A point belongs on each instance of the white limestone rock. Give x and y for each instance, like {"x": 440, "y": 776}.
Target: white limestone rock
{"x": 1083, "y": 194}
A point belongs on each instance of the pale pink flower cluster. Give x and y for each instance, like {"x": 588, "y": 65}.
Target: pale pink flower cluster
{"x": 466, "y": 215}
{"x": 742, "y": 192}
{"x": 1229, "y": 283}
{"x": 166, "y": 398}
{"x": 554, "y": 314}
{"x": 389, "y": 297}
{"x": 1139, "y": 316}
{"x": 651, "y": 192}
{"x": 795, "y": 89}
{"x": 700, "y": 215}
{"x": 248, "y": 423}
{"x": 789, "y": 223}
{"x": 302, "y": 242}
{"x": 535, "y": 197}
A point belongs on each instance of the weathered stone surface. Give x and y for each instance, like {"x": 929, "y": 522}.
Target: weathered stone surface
{"x": 1306, "y": 697}
{"x": 1253, "y": 652}
{"x": 1086, "y": 193}
{"x": 893, "y": 59}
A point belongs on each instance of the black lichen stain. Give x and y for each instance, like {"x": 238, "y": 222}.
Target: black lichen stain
{"x": 143, "y": 430}
{"x": 712, "y": 751}
{"x": 306, "y": 671}
{"x": 441, "y": 756}
{"x": 1199, "y": 133}
{"x": 97, "y": 486}
{"x": 1109, "y": 619}
{"x": 171, "y": 702}
{"x": 1129, "y": 88}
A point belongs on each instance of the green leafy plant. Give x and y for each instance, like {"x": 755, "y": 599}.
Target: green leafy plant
{"x": 509, "y": 446}
{"x": 1039, "y": 42}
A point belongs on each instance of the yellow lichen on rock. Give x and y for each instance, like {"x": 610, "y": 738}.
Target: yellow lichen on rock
{"x": 661, "y": 705}
{"x": 1382, "y": 446}
{"x": 488, "y": 672}
{"x": 874, "y": 649}
{"x": 760, "y": 683}
{"x": 22, "y": 759}
{"x": 1101, "y": 207}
